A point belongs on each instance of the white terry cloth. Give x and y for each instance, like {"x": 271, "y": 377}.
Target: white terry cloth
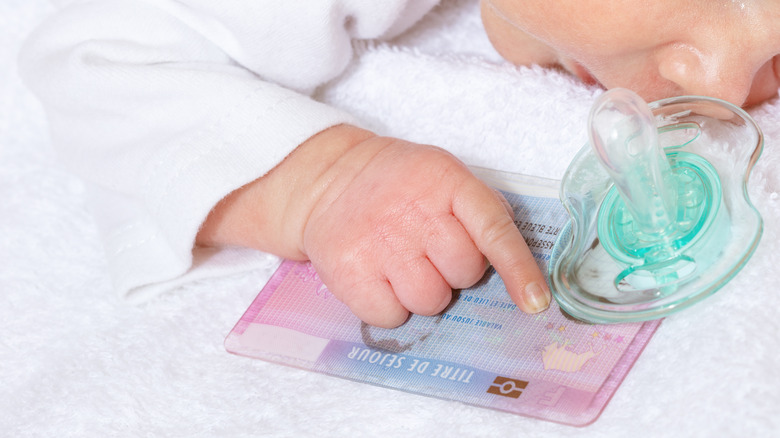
{"x": 75, "y": 360}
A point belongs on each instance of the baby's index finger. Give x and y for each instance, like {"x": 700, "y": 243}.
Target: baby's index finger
{"x": 495, "y": 234}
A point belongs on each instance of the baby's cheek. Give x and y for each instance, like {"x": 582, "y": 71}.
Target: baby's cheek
{"x": 512, "y": 42}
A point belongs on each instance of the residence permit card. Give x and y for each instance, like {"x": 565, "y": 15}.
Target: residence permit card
{"x": 482, "y": 350}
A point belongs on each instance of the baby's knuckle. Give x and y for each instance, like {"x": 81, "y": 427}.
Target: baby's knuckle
{"x": 497, "y": 229}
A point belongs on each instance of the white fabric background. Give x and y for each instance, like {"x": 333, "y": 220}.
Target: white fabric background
{"x": 75, "y": 360}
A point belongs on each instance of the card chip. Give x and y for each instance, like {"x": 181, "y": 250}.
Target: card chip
{"x": 507, "y": 387}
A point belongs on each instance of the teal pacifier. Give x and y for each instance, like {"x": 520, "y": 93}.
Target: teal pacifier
{"x": 660, "y": 214}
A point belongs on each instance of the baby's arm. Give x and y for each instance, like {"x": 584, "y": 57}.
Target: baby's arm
{"x": 390, "y": 226}
{"x": 164, "y": 107}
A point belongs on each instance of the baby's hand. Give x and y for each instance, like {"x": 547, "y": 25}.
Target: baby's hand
{"x": 392, "y": 227}
{"x": 409, "y": 227}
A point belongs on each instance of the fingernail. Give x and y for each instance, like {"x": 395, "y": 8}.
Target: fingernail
{"x": 536, "y": 297}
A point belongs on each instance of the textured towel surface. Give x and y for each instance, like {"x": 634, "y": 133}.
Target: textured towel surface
{"x": 77, "y": 361}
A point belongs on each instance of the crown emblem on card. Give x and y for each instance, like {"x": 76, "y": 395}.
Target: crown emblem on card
{"x": 556, "y": 357}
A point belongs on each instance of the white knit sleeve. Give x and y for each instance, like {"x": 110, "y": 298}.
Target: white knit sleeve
{"x": 164, "y": 107}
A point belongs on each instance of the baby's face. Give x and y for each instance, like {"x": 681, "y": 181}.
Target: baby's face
{"x": 728, "y": 49}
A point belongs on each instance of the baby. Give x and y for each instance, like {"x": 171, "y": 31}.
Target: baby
{"x": 191, "y": 123}
{"x": 723, "y": 48}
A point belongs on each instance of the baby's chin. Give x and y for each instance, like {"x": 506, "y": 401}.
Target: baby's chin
{"x": 584, "y": 74}
{"x": 765, "y": 84}
{"x": 578, "y": 70}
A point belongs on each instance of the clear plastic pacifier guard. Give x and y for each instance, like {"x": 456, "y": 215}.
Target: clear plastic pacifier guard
{"x": 660, "y": 214}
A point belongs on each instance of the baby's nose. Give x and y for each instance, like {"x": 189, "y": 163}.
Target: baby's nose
{"x": 723, "y": 75}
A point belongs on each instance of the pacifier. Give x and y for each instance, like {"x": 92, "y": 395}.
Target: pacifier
{"x": 660, "y": 214}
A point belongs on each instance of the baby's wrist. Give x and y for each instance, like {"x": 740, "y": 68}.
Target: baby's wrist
{"x": 271, "y": 212}
{"x": 315, "y": 172}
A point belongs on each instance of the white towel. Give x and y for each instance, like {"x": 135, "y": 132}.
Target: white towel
{"x": 77, "y": 361}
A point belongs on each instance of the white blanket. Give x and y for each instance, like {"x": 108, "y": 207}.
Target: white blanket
{"x": 75, "y": 360}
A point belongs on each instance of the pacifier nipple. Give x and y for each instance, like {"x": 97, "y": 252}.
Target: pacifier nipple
{"x": 641, "y": 223}
{"x": 624, "y": 137}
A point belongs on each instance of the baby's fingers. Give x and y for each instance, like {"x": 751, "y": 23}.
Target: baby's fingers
{"x": 493, "y": 230}
{"x": 370, "y": 297}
